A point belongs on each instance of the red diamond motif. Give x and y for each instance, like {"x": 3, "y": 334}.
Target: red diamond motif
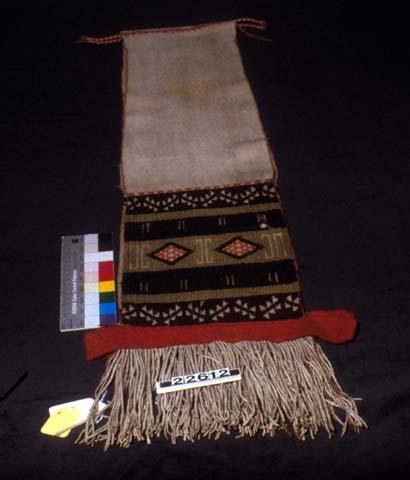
{"x": 170, "y": 253}
{"x": 239, "y": 247}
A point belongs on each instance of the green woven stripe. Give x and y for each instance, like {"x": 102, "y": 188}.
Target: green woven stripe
{"x": 208, "y": 294}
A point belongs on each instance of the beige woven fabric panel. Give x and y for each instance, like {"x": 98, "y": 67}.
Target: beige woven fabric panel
{"x": 190, "y": 118}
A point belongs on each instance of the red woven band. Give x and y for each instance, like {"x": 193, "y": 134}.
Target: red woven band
{"x": 335, "y": 326}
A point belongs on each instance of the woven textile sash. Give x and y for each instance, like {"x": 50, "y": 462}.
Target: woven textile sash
{"x": 207, "y": 275}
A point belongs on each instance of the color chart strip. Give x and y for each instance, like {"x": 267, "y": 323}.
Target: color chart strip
{"x": 87, "y": 282}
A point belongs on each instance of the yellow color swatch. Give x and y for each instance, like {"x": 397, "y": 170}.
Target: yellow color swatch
{"x": 107, "y": 286}
{"x": 60, "y": 422}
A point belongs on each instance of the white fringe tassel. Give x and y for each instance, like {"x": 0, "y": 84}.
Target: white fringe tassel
{"x": 283, "y": 385}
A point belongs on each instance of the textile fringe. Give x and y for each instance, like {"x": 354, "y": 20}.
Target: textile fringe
{"x": 290, "y": 384}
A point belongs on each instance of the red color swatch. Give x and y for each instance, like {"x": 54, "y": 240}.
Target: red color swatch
{"x": 106, "y": 271}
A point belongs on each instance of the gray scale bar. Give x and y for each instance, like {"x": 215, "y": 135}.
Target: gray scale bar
{"x": 72, "y": 283}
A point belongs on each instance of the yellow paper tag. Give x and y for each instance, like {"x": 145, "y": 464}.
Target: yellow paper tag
{"x": 60, "y": 422}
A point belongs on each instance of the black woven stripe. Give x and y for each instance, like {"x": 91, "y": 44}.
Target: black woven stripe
{"x": 141, "y": 231}
{"x": 143, "y": 321}
{"x": 237, "y": 309}
{"x": 203, "y": 198}
{"x": 210, "y": 278}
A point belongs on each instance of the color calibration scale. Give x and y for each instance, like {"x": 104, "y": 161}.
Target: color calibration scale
{"x": 87, "y": 282}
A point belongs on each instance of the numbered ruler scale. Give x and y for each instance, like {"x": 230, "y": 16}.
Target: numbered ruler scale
{"x": 87, "y": 298}
{"x": 196, "y": 380}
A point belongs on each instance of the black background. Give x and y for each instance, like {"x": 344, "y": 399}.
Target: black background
{"x": 333, "y": 88}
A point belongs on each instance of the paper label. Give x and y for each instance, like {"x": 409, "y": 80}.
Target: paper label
{"x": 61, "y": 421}
{"x": 68, "y": 415}
{"x": 201, "y": 379}
{"x": 83, "y": 406}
